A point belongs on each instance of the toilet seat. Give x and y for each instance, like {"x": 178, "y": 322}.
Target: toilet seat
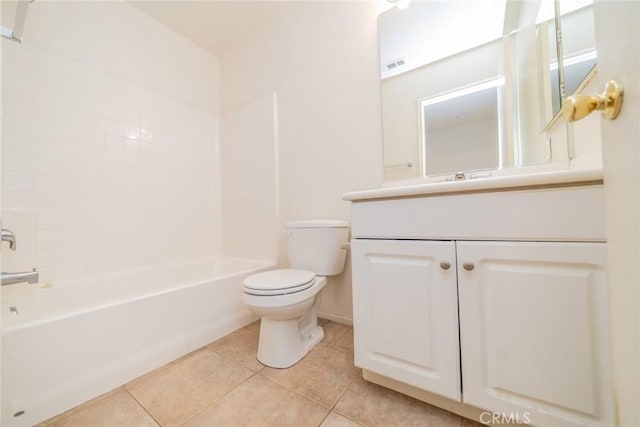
{"x": 278, "y": 282}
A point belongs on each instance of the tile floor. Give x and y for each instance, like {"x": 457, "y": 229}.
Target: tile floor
{"x": 222, "y": 384}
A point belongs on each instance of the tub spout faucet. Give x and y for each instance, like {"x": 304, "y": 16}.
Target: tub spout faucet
{"x": 8, "y": 236}
{"x": 25, "y": 276}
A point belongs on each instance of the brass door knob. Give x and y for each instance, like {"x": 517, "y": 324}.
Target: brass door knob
{"x": 445, "y": 265}
{"x": 609, "y": 102}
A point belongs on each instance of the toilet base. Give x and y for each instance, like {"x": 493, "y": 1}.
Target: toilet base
{"x": 283, "y": 343}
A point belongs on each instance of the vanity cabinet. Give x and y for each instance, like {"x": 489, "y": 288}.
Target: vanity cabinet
{"x": 516, "y": 323}
{"x": 406, "y": 308}
{"x": 533, "y": 330}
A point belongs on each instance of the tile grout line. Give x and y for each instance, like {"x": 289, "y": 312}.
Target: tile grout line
{"x": 253, "y": 374}
{"x": 228, "y": 358}
{"x": 353, "y": 380}
{"x": 233, "y": 360}
{"x": 142, "y": 406}
{"x": 186, "y": 356}
{"x": 285, "y": 385}
{"x": 324, "y": 419}
{"x": 295, "y": 391}
{"x": 259, "y": 372}
{"x": 310, "y": 398}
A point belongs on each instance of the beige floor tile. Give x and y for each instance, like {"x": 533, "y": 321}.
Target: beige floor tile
{"x": 322, "y": 375}
{"x": 179, "y": 391}
{"x": 338, "y": 335}
{"x": 241, "y": 347}
{"x": 468, "y": 423}
{"x": 117, "y": 408}
{"x": 372, "y": 405}
{"x": 337, "y": 420}
{"x": 259, "y": 402}
{"x": 253, "y": 328}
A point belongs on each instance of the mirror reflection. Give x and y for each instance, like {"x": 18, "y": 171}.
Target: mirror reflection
{"x": 482, "y": 93}
{"x": 578, "y": 45}
{"x": 460, "y": 129}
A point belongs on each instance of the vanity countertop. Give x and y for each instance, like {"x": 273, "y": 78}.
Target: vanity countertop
{"x": 567, "y": 177}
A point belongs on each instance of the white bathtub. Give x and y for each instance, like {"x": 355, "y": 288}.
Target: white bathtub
{"x": 74, "y": 341}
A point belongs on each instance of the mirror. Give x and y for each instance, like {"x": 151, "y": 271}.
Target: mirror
{"x": 578, "y": 54}
{"x": 579, "y": 57}
{"x": 473, "y": 86}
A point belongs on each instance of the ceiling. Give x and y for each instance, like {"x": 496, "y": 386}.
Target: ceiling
{"x": 214, "y": 25}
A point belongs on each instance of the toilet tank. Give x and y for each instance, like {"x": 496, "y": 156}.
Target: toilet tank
{"x": 315, "y": 245}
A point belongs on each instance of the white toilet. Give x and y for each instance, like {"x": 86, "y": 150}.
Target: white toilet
{"x": 286, "y": 298}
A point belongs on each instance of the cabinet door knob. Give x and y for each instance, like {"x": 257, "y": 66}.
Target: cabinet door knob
{"x": 445, "y": 265}
{"x": 468, "y": 265}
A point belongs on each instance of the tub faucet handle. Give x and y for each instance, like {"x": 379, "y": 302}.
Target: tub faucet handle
{"x": 8, "y": 236}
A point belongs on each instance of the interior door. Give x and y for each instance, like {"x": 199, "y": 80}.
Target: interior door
{"x": 617, "y": 26}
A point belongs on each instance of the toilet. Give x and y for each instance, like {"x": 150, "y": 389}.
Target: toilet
{"x": 286, "y": 300}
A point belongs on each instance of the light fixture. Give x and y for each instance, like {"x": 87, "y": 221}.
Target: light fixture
{"x": 400, "y": 4}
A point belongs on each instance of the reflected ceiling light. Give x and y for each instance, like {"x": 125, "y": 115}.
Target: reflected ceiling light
{"x": 400, "y": 4}
{"x": 468, "y": 90}
{"x": 575, "y": 59}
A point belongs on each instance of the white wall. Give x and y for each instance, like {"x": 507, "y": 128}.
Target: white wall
{"x": 248, "y": 143}
{"x": 321, "y": 59}
{"x": 115, "y": 37}
{"x": 109, "y": 158}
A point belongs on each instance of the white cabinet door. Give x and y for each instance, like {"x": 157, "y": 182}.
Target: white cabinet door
{"x": 534, "y": 331}
{"x": 406, "y": 312}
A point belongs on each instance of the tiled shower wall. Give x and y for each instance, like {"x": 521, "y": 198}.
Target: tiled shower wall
{"x": 100, "y": 175}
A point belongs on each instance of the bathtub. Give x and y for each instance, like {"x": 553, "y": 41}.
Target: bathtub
{"x": 66, "y": 343}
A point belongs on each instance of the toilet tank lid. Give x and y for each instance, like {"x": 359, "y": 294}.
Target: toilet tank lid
{"x": 318, "y": 223}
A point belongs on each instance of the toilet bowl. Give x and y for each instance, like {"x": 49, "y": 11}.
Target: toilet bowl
{"x": 286, "y": 300}
{"x": 289, "y": 326}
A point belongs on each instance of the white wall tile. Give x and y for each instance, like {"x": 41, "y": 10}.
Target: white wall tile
{"x": 96, "y": 170}
{"x": 17, "y": 181}
{"x": 113, "y": 142}
{"x": 24, "y": 257}
{"x": 45, "y": 183}
{"x": 23, "y": 220}
{"x": 131, "y": 146}
{"x": 47, "y": 239}
{"x": 17, "y": 200}
{"x": 17, "y": 140}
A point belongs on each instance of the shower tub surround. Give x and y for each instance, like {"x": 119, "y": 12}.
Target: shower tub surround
{"x": 111, "y": 184}
{"x": 97, "y": 170}
{"x": 73, "y": 341}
